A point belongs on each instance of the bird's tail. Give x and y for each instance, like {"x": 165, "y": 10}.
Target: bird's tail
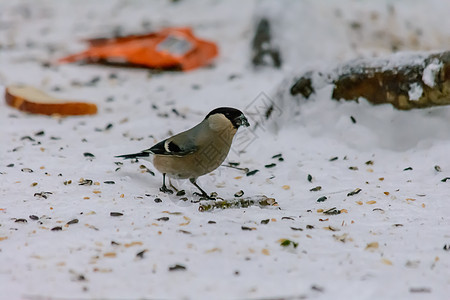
{"x": 135, "y": 155}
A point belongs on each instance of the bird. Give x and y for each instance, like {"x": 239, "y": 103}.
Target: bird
{"x": 196, "y": 151}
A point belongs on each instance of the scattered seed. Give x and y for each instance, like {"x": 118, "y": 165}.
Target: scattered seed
{"x": 354, "y": 192}
{"x": 270, "y": 165}
{"x": 26, "y": 170}
{"x": 334, "y": 158}
{"x": 420, "y": 290}
{"x": 141, "y": 254}
{"x": 332, "y": 211}
{"x": 287, "y": 218}
{"x": 353, "y": 168}
{"x": 211, "y": 222}
{"x": 437, "y": 168}
{"x": 445, "y": 179}
{"x": 316, "y": 189}
{"x": 83, "y": 181}
{"x": 369, "y": 162}
{"x": 247, "y": 228}
{"x": 21, "y": 221}
{"x": 158, "y": 200}
{"x": 353, "y": 119}
{"x": 34, "y": 184}
{"x": 27, "y": 138}
{"x": 322, "y": 199}
{"x": 177, "y": 267}
{"x": 163, "y": 219}
{"x": 446, "y": 247}
{"x": 277, "y": 155}
{"x": 239, "y": 194}
{"x": 67, "y": 182}
{"x": 33, "y": 217}
{"x": 184, "y": 231}
{"x": 252, "y": 172}
{"x": 115, "y": 214}
{"x": 109, "y": 182}
{"x": 74, "y": 221}
{"x": 146, "y": 169}
{"x": 10, "y": 165}
{"x": 407, "y": 169}
{"x": 42, "y": 194}
{"x": 39, "y": 133}
{"x": 57, "y": 228}
{"x": 309, "y": 227}
{"x": 266, "y": 221}
{"x": 309, "y": 178}
{"x": 88, "y": 154}
{"x": 286, "y": 243}
{"x": 181, "y": 193}
{"x": 297, "y": 228}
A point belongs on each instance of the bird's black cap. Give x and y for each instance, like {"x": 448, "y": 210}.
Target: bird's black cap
{"x": 236, "y": 116}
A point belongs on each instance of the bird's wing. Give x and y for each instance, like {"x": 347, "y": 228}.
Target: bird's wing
{"x": 170, "y": 147}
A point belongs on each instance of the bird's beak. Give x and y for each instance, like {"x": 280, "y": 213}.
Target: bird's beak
{"x": 242, "y": 121}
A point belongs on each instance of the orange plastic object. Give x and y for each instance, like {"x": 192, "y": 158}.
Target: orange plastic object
{"x": 170, "y": 48}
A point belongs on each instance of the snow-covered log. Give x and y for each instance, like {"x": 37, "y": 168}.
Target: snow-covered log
{"x": 405, "y": 80}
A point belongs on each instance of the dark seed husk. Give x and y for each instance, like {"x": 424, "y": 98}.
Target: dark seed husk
{"x": 334, "y": 158}
{"x": 109, "y": 182}
{"x": 158, "y": 200}
{"x": 252, "y": 172}
{"x": 407, "y": 169}
{"x": 332, "y": 211}
{"x": 356, "y": 191}
{"x": 163, "y": 219}
{"x": 115, "y": 214}
{"x": 309, "y": 178}
{"x": 315, "y": 189}
{"x": 57, "y": 228}
{"x": 181, "y": 193}
{"x": 239, "y": 194}
{"x": 177, "y": 267}
{"x": 247, "y": 228}
{"x": 34, "y": 217}
{"x": 21, "y": 221}
{"x": 322, "y": 199}
{"x": 88, "y": 154}
{"x": 74, "y": 221}
{"x": 270, "y": 165}
{"x": 297, "y": 228}
{"x": 141, "y": 254}
{"x": 266, "y": 221}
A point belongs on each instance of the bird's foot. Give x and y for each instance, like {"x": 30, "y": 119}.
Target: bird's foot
{"x": 205, "y": 196}
{"x": 164, "y": 189}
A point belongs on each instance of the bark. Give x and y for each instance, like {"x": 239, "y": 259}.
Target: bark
{"x": 413, "y": 83}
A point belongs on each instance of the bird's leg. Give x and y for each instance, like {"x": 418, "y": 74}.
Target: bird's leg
{"x": 172, "y": 186}
{"x": 203, "y": 193}
{"x": 164, "y": 188}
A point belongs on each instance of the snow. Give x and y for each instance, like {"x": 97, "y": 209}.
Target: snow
{"x": 415, "y": 91}
{"x": 397, "y": 158}
{"x": 430, "y": 71}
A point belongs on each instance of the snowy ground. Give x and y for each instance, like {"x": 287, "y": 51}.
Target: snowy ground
{"x": 387, "y": 242}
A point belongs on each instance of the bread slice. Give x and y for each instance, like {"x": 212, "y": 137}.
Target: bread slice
{"x": 32, "y": 100}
